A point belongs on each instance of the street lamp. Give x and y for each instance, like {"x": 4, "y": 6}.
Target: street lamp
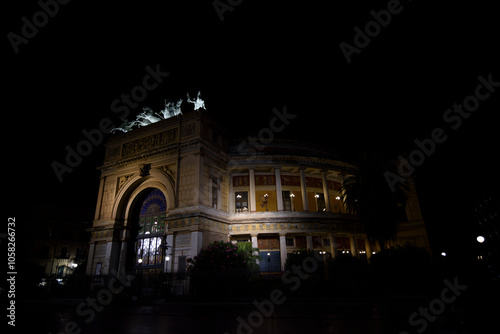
{"x": 480, "y": 239}
{"x": 164, "y": 247}
{"x": 266, "y": 196}
{"x": 337, "y": 204}
{"x": 292, "y": 196}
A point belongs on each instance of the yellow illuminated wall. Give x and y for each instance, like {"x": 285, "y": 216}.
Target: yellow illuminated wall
{"x": 297, "y": 200}
{"x": 271, "y": 200}
{"x": 313, "y": 207}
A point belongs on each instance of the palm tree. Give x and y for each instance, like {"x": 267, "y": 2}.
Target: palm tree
{"x": 365, "y": 192}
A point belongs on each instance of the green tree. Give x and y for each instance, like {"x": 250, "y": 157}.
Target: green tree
{"x": 365, "y": 192}
{"x": 223, "y": 256}
{"x": 223, "y": 269}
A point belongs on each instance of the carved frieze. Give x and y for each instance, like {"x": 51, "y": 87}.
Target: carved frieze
{"x": 149, "y": 142}
{"x": 113, "y": 152}
{"x": 188, "y": 129}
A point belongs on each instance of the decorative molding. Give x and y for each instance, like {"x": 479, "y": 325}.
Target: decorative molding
{"x": 122, "y": 180}
{"x": 265, "y": 180}
{"x": 195, "y": 143}
{"x": 168, "y": 171}
{"x": 188, "y": 129}
{"x": 113, "y": 152}
{"x": 240, "y": 180}
{"x": 150, "y": 142}
{"x": 144, "y": 170}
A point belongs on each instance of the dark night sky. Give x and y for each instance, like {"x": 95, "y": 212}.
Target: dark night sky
{"x": 262, "y": 56}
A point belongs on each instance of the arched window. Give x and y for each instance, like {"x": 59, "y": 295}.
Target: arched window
{"x": 150, "y": 229}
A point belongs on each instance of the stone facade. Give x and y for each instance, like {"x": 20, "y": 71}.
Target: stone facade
{"x": 283, "y": 197}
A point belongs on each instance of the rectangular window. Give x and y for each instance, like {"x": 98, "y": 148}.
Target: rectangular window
{"x": 241, "y": 201}
{"x": 215, "y": 190}
{"x": 98, "y": 267}
{"x": 64, "y": 253}
{"x": 287, "y": 202}
{"x": 289, "y": 242}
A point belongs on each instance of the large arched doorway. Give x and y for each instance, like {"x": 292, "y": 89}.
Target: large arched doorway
{"x": 146, "y": 255}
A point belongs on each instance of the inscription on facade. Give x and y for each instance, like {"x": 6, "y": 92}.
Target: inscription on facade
{"x": 147, "y": 143}
{"x": 183, "y": 240}
{"x": 100, "y": 249}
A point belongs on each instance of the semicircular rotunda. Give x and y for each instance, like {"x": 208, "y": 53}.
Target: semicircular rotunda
{"x": 180, "y": 183}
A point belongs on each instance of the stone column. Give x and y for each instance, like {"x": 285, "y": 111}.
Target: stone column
{"x": 368, "y": 249}
{"x": 231, "y": 197}
{"x": 196, "y": 241}
{"x": 255, "y": 244}
{"x": 333, "y": 246}
{"x": 354, "y": 246}
{"x": 99, "y": 199}
{"x": 283, "y": 251}
{"x": 123, "y": 251}
{"x": 279, "y": 194}
{"x": 197, "y": 177}
{"x": 111, "y": 257}
{"x": 169, "y": 264}
{"x": 325, "y": 192}
{"x": 303, "y": 189}
{"x": 90, "y": 259}
{"x": 309, "y": 242}
{"x": 251, "y": 180}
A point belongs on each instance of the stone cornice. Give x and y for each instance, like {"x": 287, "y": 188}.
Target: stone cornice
{"x": 195, "y": 143}
{"x": 303, "y": 161}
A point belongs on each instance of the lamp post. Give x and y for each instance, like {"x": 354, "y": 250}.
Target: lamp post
{"x": 480, "y": 239}
{"x": 164, "y": 247}
{"x": 292, "y": 197}
{"x": 337, "y": 205}
{"x": 266, "y": 196}
{"x": 166, "y": 258}
{"x": 322, "y": 252}
{"x": 269, "y": 263}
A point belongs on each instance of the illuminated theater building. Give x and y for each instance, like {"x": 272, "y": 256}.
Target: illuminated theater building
{"x": 181, "y": 183}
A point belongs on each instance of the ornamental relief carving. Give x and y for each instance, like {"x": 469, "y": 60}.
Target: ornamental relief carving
{"x": 188, "y": 129}
{"x": 122, "y": 180}
{"x": 168, "y": 171}
{"x": 147, "y": 143}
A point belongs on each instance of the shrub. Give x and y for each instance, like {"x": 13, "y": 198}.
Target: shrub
{"x": 222, "y": 268}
